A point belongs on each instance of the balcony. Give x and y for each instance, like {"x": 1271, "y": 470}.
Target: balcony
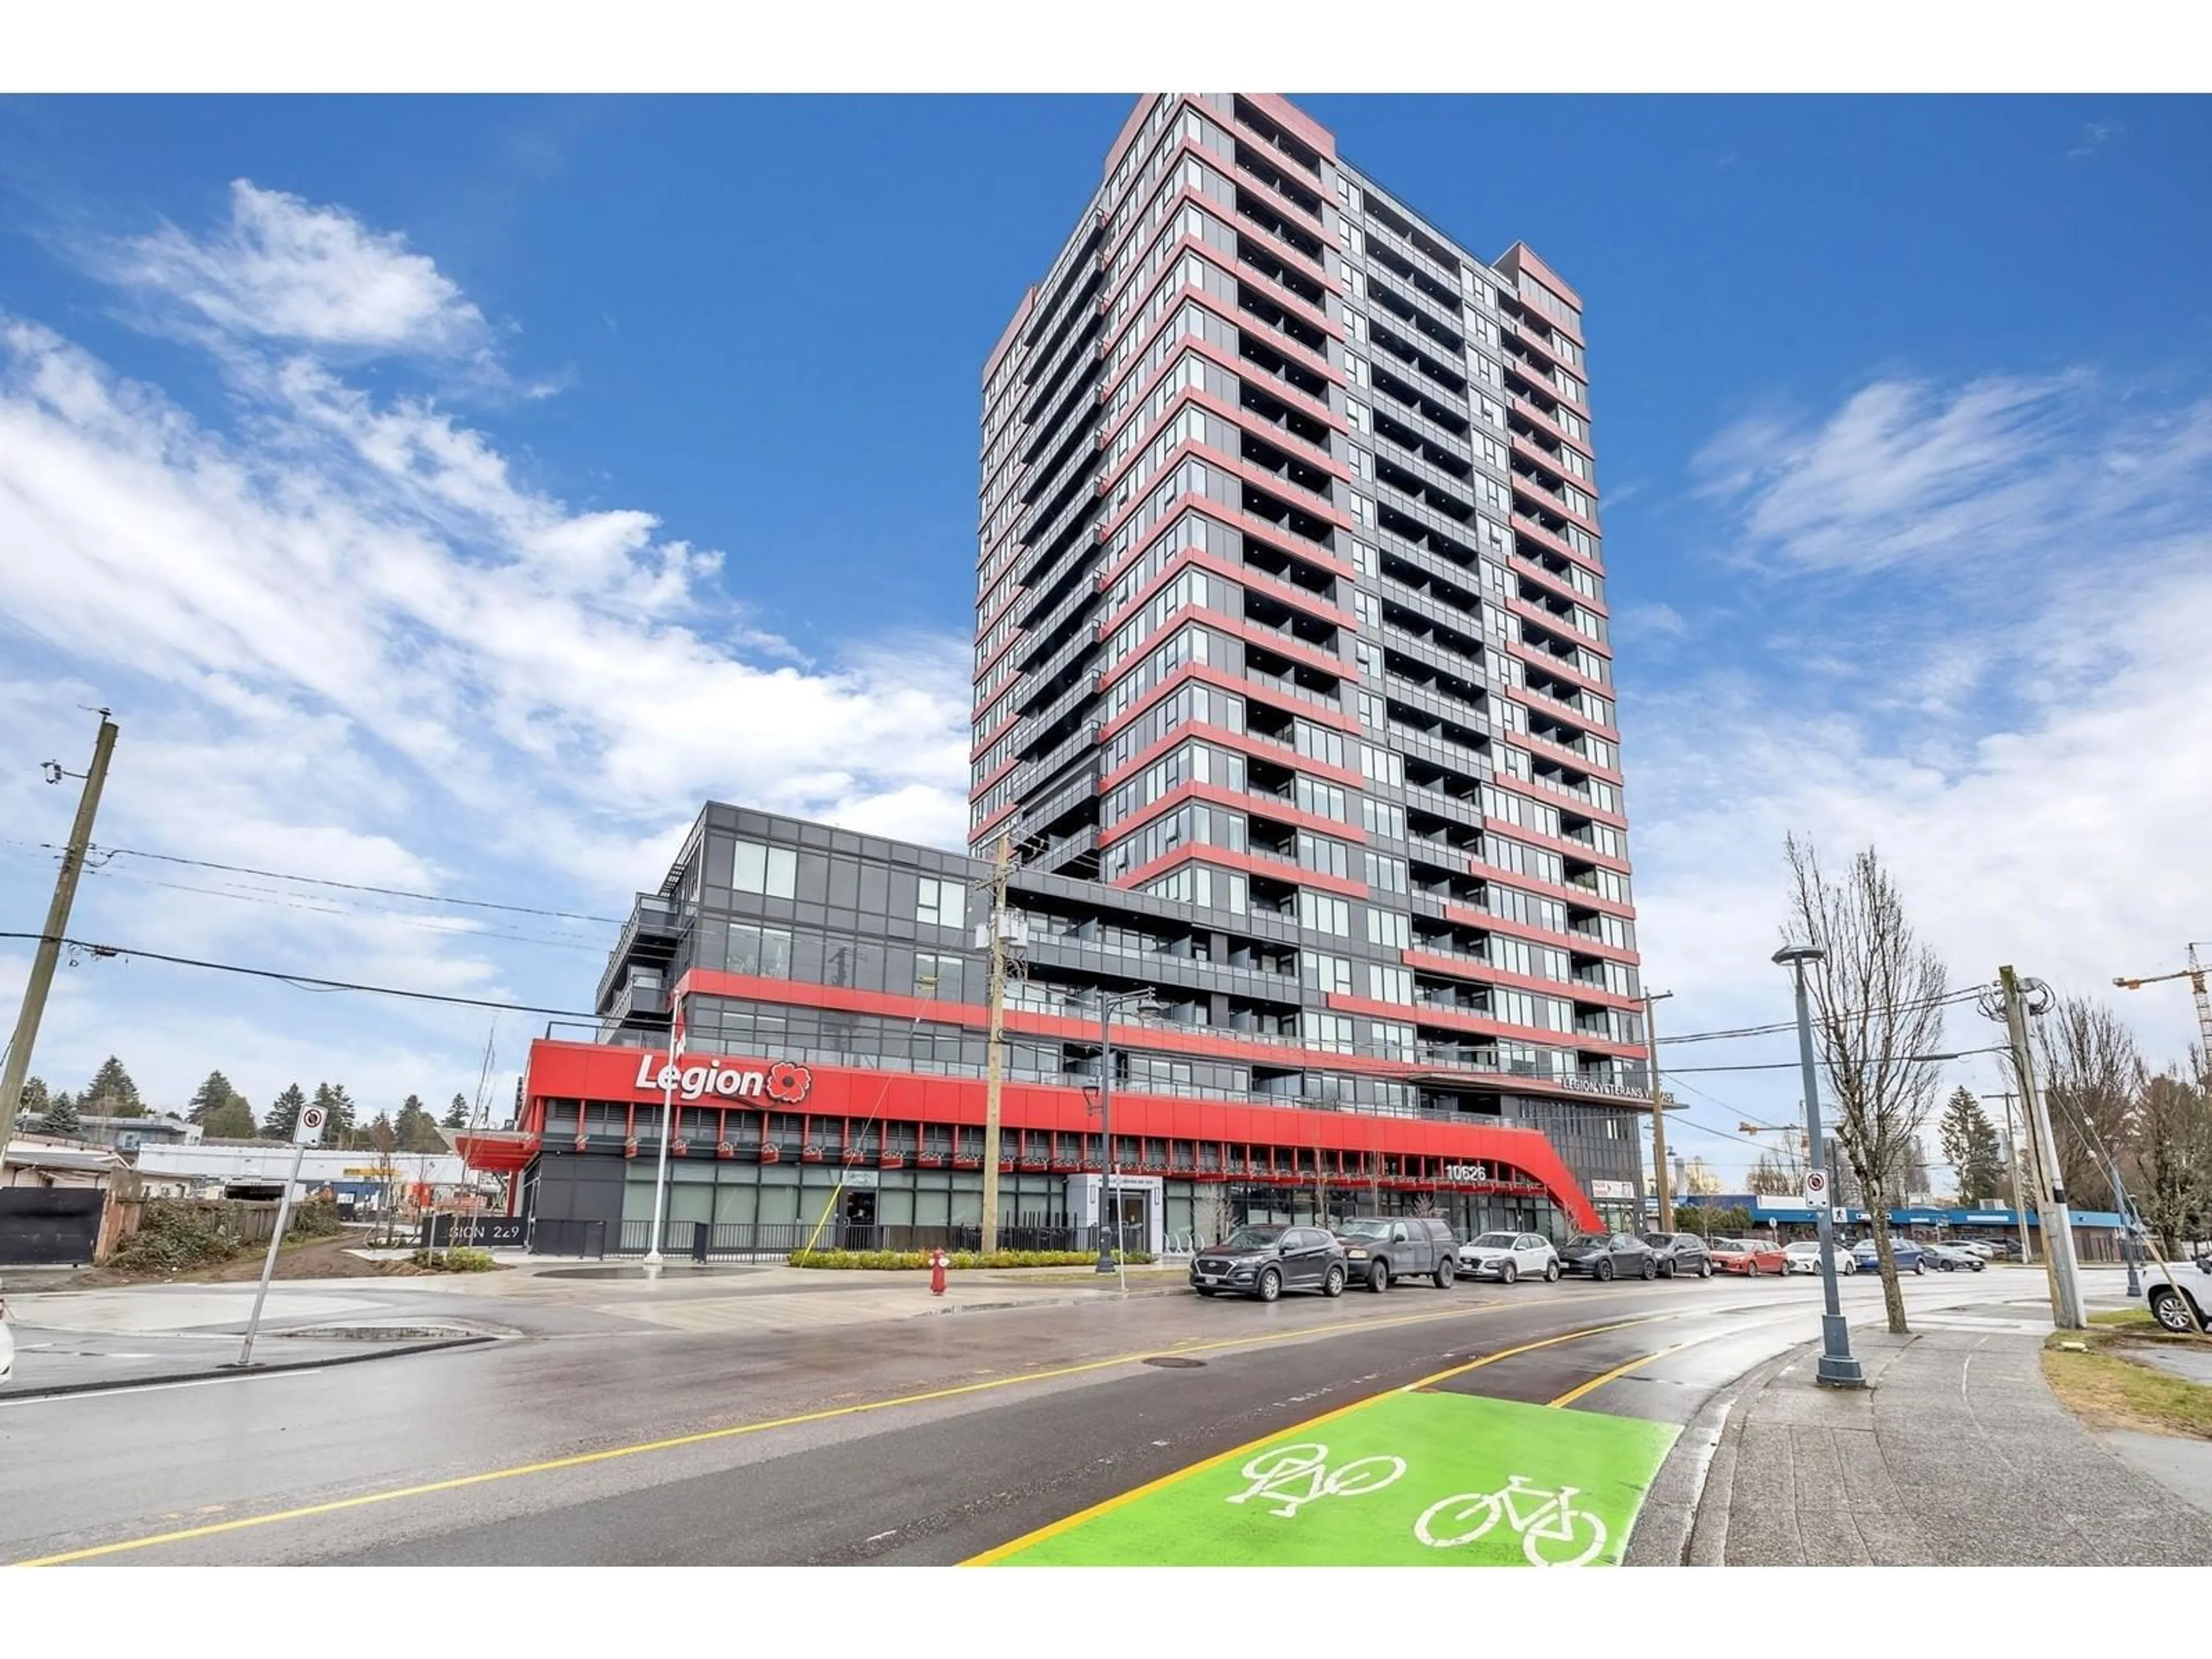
{"x": 644, "y": 998}
{"x": 649, "y": 936}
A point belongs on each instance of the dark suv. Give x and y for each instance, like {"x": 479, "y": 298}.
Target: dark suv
{"x": 1264, "y": 1262}
{"x": 1379, "y": 1249}
{"x": 1681, "y": 1254}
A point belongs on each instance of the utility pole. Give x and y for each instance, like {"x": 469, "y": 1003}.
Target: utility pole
{"x": 1658, "y": 1117}
{"x": 2019, "y": 1191}
{"x": 2050, "y": 1191}
{"x": 34, "y": 1009}
{"x": 994, "y": 1055}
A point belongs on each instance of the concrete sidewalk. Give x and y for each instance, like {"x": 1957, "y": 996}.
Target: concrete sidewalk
{"x": 1957, "y": 1453}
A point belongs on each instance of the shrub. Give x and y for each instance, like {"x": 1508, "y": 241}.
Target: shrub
{"x": 174, "y": 1234}
{"x": 912, "y": 1259}
{"x": 316, "y": 1220}
{"x": 461, "y": 1260}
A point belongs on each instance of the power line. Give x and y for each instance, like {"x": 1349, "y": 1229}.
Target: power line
{"x": 309, "y": 981}
{"x": 428, "y": 923}
{"x": 1945, "y": 1001}
{"x": 347, "y": 886}
{"x": 1791, "y": 1064}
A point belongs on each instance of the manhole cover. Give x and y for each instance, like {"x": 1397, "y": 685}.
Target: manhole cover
{"x": 1173, "y": 1362}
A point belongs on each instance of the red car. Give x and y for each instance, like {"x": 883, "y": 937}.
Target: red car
{"x": 1749, "y": 1257}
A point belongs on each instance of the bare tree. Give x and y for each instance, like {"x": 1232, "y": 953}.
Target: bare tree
{"x": 1877, "y": 997}
{"x": 1211, "y": 1213}
{"x": 1770, "y": 1177}
{"x": 2171, "y": 1172}
{"x": 2092, "y": 1078}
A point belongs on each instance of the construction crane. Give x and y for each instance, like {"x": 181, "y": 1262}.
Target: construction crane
{"x": 2194, "y": 974}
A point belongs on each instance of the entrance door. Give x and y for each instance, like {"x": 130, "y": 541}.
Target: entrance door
{"x": 859, "y": 1220}
{"x": 1133, "y": 1218}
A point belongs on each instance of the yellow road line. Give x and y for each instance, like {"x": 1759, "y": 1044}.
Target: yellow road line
{"x": 582, "y": 1459}
{"x": 1575, "y": 1393}
{"x": 1053, "y": 1529}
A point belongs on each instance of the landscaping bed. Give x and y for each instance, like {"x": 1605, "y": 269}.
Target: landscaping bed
{"x": 2098, "y": 1376}
{"x": 956, "y": 1259}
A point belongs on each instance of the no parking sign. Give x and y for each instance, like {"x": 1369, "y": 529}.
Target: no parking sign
{"x": 309, "y": 1129}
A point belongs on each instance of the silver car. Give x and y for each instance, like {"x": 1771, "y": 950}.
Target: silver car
{"x": 1508, "y": 1256}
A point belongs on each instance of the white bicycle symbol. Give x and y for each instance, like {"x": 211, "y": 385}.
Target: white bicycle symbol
{"x": 1553, "y": 1531}
{"x": 1290, "y": 1477}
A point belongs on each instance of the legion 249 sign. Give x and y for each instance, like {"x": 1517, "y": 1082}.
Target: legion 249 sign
{"x": 784, "y": 1082}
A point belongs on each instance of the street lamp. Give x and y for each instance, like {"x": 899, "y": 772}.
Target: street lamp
{"x": 1145, "y": 999}
{"x": 653, "y": 1262}
{"x": 1839, "y": 1369}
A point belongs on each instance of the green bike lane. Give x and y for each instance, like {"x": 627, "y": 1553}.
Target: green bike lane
{"x": 1496, "y": 1462}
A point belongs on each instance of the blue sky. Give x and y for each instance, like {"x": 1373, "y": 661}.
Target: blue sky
{"x": 455, "y": 501}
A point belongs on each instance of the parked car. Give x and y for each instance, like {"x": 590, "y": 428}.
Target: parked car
{"x": 7, "y": 1344}
{"x": 1379, "y": 1249}
{"x": 1910, "y": 1259}
{"x": 1973, "y": 1247}
{"x": 2181, "y": 1307}
{"x": 1950, "y": 1259}
{"x": 1264, "y": 1262}
{"x": 1508, "y": 1256}
{"x": 1681, "y": 1254}
{"x": 1609, "y": 1256}
{"x": 1748, "y": 1256}
{"x": 1803, "y": 1256}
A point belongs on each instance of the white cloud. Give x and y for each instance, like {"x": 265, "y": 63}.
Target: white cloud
{"x": 342, "y": 637}
{"x": 1906, "y": 476}
{"x": 2096, "y": 135}
{"x": 2023, "y": 738}
{"x": 1651, "y": 621}
{"x": 285, "y": 270}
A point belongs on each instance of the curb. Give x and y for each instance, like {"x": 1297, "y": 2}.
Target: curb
{"x": 1673, "y": 1529}
{"x": 117, "y": 1385}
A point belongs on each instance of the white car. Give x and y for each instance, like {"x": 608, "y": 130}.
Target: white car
{"x": 7, "y": 1344}
{"x": 1804, "y": 1257}
{"x": 1974, "y": 1247}
{"x": 1508, "y": 1256}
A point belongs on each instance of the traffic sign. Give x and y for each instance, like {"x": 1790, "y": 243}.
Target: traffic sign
{"x": 1816, "y": 1189}
{"x": 309, "y": 1129}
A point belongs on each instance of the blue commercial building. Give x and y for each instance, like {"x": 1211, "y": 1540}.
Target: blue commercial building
{"x": 2096, "y": 1232}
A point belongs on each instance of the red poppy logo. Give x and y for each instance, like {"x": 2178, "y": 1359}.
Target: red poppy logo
{"x": 789, "y": 1082}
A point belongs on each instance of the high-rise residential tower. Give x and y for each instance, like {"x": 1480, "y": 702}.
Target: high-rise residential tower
{"x": 1290, "y": 599}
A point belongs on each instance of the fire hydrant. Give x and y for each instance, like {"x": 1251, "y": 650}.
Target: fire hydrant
{"x": 937, "y": 1265}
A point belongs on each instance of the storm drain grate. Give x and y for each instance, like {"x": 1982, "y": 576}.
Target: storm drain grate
{"x": 1175, "y": 1362}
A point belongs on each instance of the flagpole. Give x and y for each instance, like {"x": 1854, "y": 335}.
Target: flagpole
{"x": 667, "y": 1129}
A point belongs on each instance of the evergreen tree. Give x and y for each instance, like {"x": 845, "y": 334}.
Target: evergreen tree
{"x": 232, "y": 1121}
{"x": 457, "y": 1115}
{"x": 112, "y": 1094}
{"x": 210, "y": 1097}
{"x": 34, "y": 1100}
{"x": 416, "y": 1129}
{"x": 60, "y": 1117}
{"x": 284, "y": 1115}
{"x": 338, "y": 1126}
{"x": 1969, "y": 1143}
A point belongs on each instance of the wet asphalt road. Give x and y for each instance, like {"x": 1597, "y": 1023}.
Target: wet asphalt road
{"x": 1055, "y": 1411}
